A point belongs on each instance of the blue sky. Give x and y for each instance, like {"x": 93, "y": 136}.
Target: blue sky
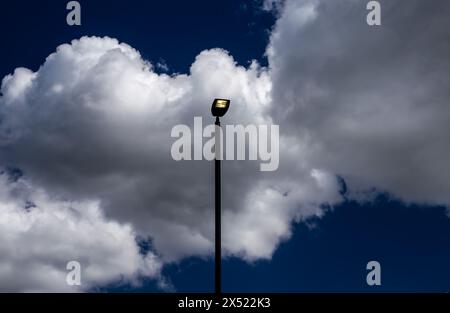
{"x": 174, "y": 31}
{"x": 326, "y": 254}
{"x": 409, "y": 242}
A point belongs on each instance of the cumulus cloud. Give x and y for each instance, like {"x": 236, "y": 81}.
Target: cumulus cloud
{"x": 92, "y": 128}
{"x": 372, "y": 101}
{"x": 94, "y": 124}
{"x": 40, "y": 235}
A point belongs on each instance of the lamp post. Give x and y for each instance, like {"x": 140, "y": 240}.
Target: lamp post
{"x": 218, "y": 109}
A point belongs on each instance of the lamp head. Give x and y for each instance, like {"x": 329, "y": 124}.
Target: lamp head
{"x": 220, "y": 107}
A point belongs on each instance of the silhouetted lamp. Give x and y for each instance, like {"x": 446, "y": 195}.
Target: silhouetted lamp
{"x": 218, "y": 109}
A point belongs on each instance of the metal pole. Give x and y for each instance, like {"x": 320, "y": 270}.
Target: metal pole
{"x": 218, "y": 227}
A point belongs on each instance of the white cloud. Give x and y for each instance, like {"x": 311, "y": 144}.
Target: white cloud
{"x": 94, "y": 123}
{"x": 40, "y": 235}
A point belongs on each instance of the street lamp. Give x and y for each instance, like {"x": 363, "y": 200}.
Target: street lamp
{"x": 218, "y": 109}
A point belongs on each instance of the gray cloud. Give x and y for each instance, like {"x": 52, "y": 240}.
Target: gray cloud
{"x": 372, "y": 101}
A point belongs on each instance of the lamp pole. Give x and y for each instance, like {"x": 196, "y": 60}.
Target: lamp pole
{"x": 218, "y": 109}
{"x": 217, "y": 215}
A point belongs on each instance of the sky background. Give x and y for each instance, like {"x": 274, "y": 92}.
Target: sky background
{"x": 328, "y": 253}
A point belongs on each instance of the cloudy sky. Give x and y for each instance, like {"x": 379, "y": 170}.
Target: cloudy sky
{"x": 86, "y": 173}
